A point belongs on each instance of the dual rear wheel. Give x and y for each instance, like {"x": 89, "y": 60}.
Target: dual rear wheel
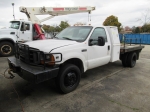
{"x": 129, "y": 59}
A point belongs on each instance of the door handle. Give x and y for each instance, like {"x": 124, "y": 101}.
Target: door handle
{"x": 108, "y": 47}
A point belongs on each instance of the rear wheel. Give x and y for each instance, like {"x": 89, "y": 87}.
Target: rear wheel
{"x": 68, "y": 78}
{"x": 132, "y": 59}
{"x": 6, "y": 49}
{"x": 124, "y": 60}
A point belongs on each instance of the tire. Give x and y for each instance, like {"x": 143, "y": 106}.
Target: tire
{"x": 6, "y": 49}
{"x": 132, "y": 59}
{"x": 124, "y": 60}
{"x": 68, "y": 78}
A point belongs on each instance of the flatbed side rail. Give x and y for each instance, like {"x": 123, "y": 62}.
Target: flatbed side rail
{"x": 130, "y": 41}
{"x": 130, "y": 45}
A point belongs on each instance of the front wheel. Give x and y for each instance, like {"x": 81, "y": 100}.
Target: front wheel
{"x": 68, "y": 78}
{"x": 6, "y": 49}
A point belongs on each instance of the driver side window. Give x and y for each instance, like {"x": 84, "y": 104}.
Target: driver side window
{"x": 27, "y": 26}
{"x": 98, "y": 32}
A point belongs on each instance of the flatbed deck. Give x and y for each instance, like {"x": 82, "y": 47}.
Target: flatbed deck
{"x": 130, "y": 48}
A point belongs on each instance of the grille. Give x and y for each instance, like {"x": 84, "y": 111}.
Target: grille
{"x": 28, "y": 54}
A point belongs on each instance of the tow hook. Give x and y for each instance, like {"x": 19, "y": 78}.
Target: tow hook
{"x": 11, "y": 74}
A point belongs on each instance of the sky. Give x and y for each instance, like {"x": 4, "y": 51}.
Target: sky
{"x": 127, "y": 11}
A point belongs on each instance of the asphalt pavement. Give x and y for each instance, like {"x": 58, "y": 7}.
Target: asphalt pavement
{"x": 109, "y": 88}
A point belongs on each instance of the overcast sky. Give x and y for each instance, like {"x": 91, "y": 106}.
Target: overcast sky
{"x": 127, "y": 11}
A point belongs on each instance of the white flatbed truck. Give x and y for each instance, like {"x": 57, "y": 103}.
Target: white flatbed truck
{"x": 72, "y": 52}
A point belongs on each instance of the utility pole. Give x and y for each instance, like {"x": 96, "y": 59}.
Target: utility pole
{"x": 13, "y": 10}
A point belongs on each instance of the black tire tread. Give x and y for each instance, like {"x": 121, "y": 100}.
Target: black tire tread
{"x": 63, "y": 69}
{"x": 130, "y": 57}
{"x": 124, "y": 60}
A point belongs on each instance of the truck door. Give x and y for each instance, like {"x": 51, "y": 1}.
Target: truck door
{"x": 98, "y": 55}
{"x": 25, "y": 36}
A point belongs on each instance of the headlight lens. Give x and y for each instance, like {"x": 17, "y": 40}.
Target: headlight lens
{"x": 50, "y": 59}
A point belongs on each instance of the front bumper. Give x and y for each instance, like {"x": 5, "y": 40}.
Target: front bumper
{"x": 32, "y": 73}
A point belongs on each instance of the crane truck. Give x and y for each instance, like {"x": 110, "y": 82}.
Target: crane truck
{"x": 72, "y": 52}
{"x": 23, "y": 31}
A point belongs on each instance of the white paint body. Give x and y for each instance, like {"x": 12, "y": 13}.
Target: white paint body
{"x": 22, "y": 36}
{"x": 94, "y": 56}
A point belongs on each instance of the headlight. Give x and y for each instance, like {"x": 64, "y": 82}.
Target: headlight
{"x": 57, "y": 57}
{"x": 50, "y": 59}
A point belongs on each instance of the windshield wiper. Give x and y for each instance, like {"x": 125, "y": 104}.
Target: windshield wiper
{"x": 67, "y": 38}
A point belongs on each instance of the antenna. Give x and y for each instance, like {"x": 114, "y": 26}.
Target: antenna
{"x": 13, "y": 10}
{"x": 89, "y": 17}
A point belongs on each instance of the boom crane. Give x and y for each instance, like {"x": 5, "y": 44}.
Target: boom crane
{"x": 31, "y": 12}
{"x": 23, "y": 31}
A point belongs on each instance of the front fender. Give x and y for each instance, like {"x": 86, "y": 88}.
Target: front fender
{"x": 67, "y": 56}
{"x": 12, "y": 38}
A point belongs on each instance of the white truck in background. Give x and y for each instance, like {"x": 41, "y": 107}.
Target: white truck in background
{"x": 72, "y": 52}
{"x": 23, "y": 31}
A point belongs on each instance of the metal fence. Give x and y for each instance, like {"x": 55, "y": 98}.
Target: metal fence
{"x": 137, "y": 38}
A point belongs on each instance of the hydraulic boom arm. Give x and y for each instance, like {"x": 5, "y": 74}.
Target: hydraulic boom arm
{"x": 31, "y": 12}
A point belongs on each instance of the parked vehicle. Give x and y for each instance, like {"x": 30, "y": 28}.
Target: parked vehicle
{"x": 72, "y": 52}
{"x": 23, "y": 31}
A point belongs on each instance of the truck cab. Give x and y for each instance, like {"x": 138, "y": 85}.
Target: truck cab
{"x": 19, "y": 31}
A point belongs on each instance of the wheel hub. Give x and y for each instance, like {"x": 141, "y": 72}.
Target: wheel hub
{"x": 6, "y": 49}
{"x": 70, "y": 79}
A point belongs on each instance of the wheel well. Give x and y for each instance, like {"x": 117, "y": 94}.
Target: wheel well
{"x": 137, "y": 53}
{"x": 76, "y": 62}
{"x": 7, "y": 41}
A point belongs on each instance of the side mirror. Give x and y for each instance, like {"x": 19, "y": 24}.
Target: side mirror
{"x": 101, "y": 41}
{"x": 23, "y": 27}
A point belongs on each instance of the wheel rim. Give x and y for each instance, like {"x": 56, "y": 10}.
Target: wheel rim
{"x": 133, "y": 60}
{"x": 6, "y": 49}
{"x": 70, "y": 79}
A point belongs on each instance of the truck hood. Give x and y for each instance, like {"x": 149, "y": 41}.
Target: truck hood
{"x": 7, "y": 30}
{"x": 49, "y": 44}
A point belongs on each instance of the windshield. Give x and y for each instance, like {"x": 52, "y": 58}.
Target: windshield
{"x": 77, "y": 33}
{"x": 15, "y": 24}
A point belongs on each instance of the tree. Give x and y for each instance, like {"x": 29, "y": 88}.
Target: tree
{"x": 63, "y": 25}
{"x": 146, "y": 28}
{"x": 145, "y": 17}
{"x": 55, "y": 28}
{"x": 45, "y": 27}
{"x": 137, "y": 30}
{"x": 133, "y": 29}
{"x": 127, "y": 28}
{"x": 112, "y": 21}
